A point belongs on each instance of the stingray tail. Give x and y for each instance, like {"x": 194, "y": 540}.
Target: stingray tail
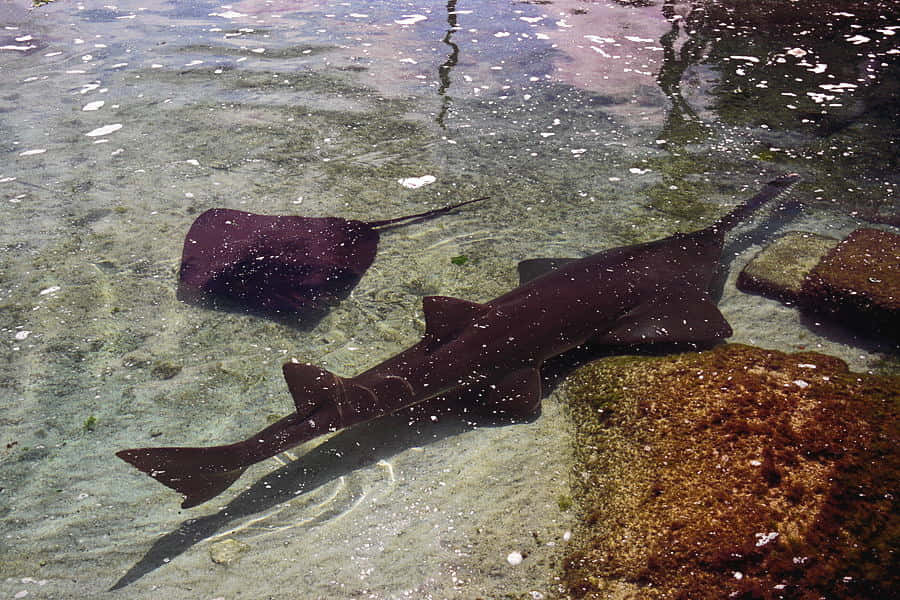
{"x": 428, "y": 214}
{"x": 198, "y": 473}
{"x": 772, "y": 190}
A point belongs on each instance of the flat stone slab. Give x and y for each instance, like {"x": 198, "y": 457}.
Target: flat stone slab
{"x": 858, "y": 281}
{"x": 734, "y": 473}
{"x": 779, "y": 270}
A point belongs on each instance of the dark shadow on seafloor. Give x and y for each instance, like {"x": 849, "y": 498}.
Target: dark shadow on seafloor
{"x": 340, "y": 455}
{"x": 345, "y": 452}
{"x": 358, "y": 447}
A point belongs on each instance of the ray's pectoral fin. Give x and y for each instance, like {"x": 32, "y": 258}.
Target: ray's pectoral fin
{"x": 537, "y": 267}
{"x": 516, "y": 396}
{"x": 693, "y": 318}
{"x": 446, "y": 316}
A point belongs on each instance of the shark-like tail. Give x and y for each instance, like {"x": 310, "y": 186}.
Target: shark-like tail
{"x": 772, "y": 190}
{"x": 198, "y": 473}
{"x": 204, "y": 472}
{"x": 324, "y": 402}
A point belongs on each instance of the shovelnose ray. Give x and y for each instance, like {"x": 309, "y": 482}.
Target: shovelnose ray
{"x": 657, "y": 292}
{"x": 276, "y": 263}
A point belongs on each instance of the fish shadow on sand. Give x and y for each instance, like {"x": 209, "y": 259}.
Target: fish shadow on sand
{"x": 341, "y": 455}
{"x": 352, "y": 449}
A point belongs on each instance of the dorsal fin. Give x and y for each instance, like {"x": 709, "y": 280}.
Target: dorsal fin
{"x": 310, "y": 386}
{"x": 445, "y": 316}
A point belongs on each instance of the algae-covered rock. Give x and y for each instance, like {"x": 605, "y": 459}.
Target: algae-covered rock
{"x": 859, "y": 281}
{"x": 779, "y": 269}
{"x": 226, "y": 551}
{"x": 165, "y": 369}
{"x": 734, "y": 473}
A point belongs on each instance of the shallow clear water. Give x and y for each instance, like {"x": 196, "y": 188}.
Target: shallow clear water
{"x": 589, "y": 124}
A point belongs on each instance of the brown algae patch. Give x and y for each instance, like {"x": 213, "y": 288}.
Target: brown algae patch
{"x": 734, "y": 473}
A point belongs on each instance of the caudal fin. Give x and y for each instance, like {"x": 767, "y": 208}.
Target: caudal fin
{"x": 198, "y": 473}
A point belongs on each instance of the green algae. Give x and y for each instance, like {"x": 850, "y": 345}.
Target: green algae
{"x": 331, "y": 83}
{"x": 358, "y": 145}
{"x": 685, "y": 199}
{"x": 565, "y": 502}
{"x": 887, "y": 366}
{"x": 687, "y": 188}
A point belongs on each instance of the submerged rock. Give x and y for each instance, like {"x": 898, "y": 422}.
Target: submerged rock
{"x": 734, "y": 473}
{"x": 226, "y": 551}
{"x": 859, "y": 281}
{"x": 855, "y": 281}
{"x": 779, "y": 270}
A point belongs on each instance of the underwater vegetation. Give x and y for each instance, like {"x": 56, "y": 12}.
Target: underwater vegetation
{"x": 734, "y": 473}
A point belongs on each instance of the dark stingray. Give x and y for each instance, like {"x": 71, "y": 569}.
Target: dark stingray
{"x": 278, "y": 264}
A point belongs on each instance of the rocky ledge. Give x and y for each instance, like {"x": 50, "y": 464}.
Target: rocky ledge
{"x": 859, "y": 281}
{"x": 855, "y": 281}
{"x": 734, "y": 473}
